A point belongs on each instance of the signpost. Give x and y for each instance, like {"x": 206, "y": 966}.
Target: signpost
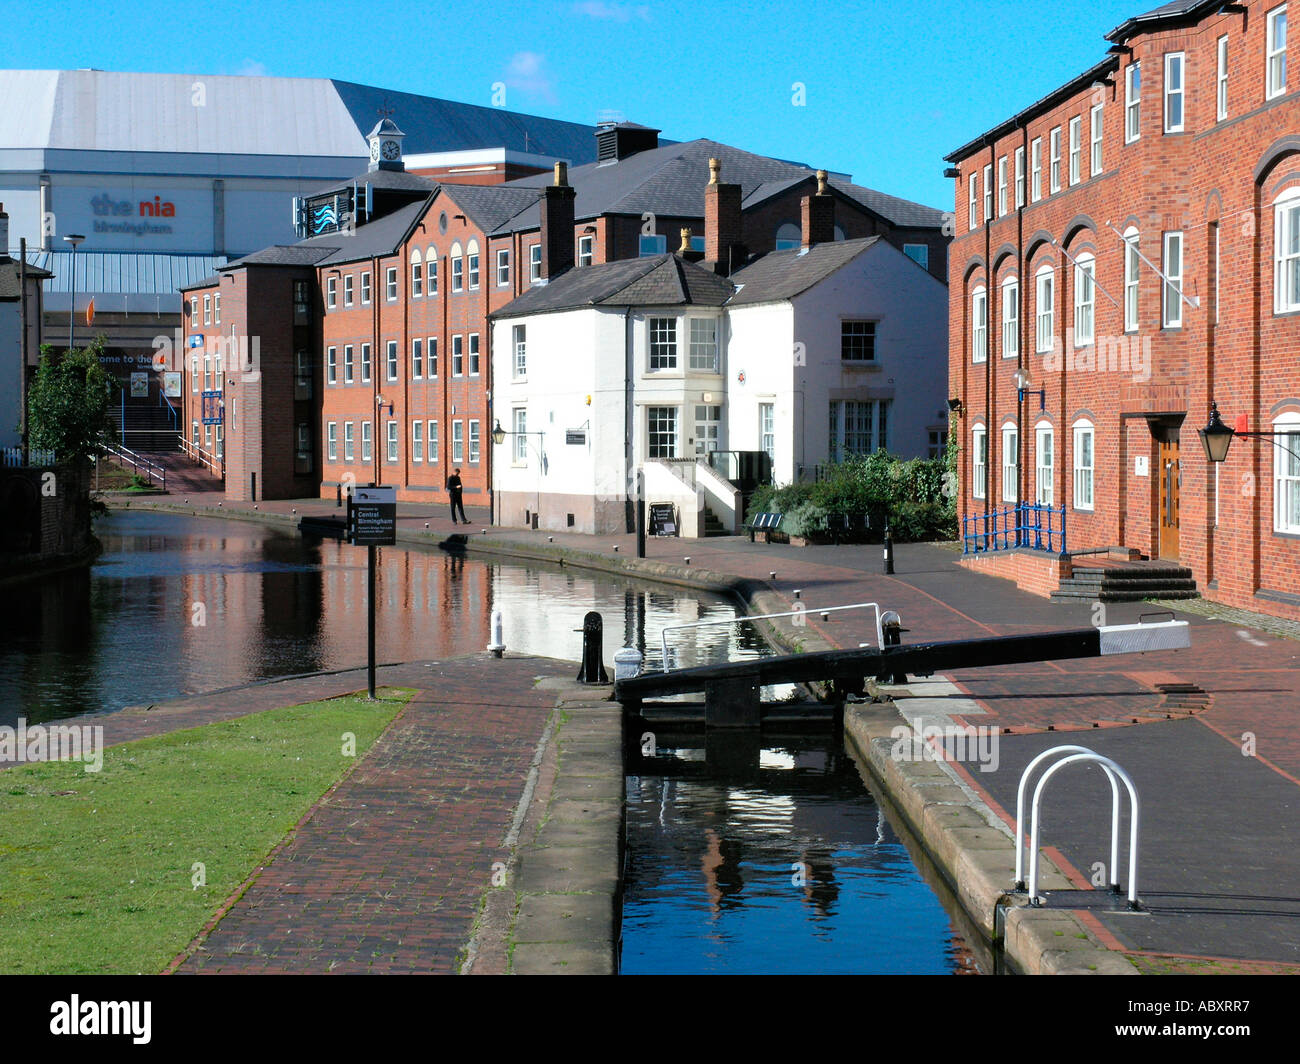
{"x": 371, "y": 523}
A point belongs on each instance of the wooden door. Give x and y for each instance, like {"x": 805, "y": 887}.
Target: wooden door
{"x": 1170, "y": 482}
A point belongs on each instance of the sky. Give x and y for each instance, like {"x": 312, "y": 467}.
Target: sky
{"x": 881, "y": 91}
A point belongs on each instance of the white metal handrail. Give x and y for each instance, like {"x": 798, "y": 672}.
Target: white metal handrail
{"x": 205, "y": 458}
{"x": 880, "y": 635}
{"x": 1111, "y": 766}
{"x": 137, "y": 462}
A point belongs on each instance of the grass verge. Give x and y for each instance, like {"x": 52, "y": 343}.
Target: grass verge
{"x": 117, "y": 871}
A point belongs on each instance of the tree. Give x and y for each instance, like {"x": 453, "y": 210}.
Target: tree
{"x": 69, "y": 402}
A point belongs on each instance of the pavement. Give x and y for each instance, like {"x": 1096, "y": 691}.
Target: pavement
{"x": 1208, "y": 733}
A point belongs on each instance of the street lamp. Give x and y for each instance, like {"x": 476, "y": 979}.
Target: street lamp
{"x": 74, "y": 239}
{"x": 1217, "y": 436}
{"x": 1025, "y": 386}
{"x": 499, "y": 437}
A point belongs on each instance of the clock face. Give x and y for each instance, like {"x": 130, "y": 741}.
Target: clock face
{"x": 374, "y": 151}
{"x": 391, "y": 150}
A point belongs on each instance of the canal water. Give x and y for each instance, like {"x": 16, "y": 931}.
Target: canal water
{"x": 771, "y": 857}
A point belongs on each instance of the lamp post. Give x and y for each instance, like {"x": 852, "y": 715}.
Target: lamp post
{"x": 1217, "y": 436}
{"x": 74, "y": 239}
{"x": 1025, "y": 386}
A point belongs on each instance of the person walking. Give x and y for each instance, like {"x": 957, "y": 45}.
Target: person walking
{"x": 454, "y": 490}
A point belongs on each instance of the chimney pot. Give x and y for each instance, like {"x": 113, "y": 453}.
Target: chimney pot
{"x": 715, "y": 168}
{"x": 686, "y": 241}
{"x": 821, "y": 183}
{"x": 561, "y": 173}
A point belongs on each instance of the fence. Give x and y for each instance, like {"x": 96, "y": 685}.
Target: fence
{"x": 1031, "y": 526}
{"x": 13, "y": 457}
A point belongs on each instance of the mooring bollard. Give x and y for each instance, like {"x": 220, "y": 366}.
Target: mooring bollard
{"x": 593, "y": 665}
{"x": 498, "y": 644}
{"x": 889, "y": 552}
{"x": 891, "y": 627}
{"x": 627, "y": 663}
{"x": 338, "y": 495}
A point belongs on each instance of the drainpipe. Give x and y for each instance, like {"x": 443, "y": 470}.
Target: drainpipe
{"x": 990, "y": 316}
{"x": 1022, "y": 269}
{"x": 629, "y": 421}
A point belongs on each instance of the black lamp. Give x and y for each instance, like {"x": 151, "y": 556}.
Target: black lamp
{"x": 1216, "y": 436}
{"x": 498, "y": 433}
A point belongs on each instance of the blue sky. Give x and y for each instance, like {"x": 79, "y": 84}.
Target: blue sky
{"x": 888, "y": 88}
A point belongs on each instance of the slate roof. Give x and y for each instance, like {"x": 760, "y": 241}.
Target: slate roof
{"x": 658, "y": 280}
{"x": 378, "y": 238}
{"x": 490, "y": 207}
{"x": 10, "y": 277}
{"x": 1178, "y": 9}
{"x": 670, "y": 181}
{"x": 287, "y": 255}
{"x": 781, "y": 275}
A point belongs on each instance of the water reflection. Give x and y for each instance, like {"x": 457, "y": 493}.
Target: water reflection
{"x": 179, "y": 605}
{"x": 788, "y": 868}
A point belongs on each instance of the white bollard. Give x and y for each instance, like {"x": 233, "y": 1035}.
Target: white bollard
{"x": 627, "y": 663}
{"x": 498, "y": 644}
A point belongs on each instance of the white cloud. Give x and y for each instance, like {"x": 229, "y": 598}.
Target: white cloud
{"x": 527, "y": 72}
{"x": 612, "y": 12}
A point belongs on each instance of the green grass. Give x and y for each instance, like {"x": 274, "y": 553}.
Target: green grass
{"x": 97, "y": 869}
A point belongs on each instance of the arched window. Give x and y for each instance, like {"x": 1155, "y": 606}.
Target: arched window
{"x": 1286, "y": 474}
{"x": 1010, "y": 318}
{"x": 1286, "y": 251}
{"x": 979, "y": 462}
{"x": 1085, "y": 299}
{"x": 471, "y": 263}
{"x": 788, "y": 235}
{"x": 979, "y": 320}
{"x": 1084, "y": 461}
{"x": 1010, "y": 461}
{"x": 1045, "y": 312}
{"x": 417, "y": 275}
{"x": 457, "y": 267}
{"x": 1044, "y": 446}
{"x": 431, "y": 270}
{"x": 1132, "y": 264}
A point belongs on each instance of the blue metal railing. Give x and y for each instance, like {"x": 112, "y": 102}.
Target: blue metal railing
{"x": 1030, "y": 526}
{"x": 171, "y": 410}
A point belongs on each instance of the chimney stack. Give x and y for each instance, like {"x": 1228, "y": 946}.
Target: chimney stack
{"x": 722, "y": 232}
{"x": 557, "y": 224}
{"x": 818, "y": 215}
{"x": 4, "y": 231}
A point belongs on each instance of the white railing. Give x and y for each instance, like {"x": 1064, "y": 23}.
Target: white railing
{"x": 880, "y": 634}
{"x": 138, "y": 463}
{"x": 12, "y": 457}
{"x": 213, "y": 463}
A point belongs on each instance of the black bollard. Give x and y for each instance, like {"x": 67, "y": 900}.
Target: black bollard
{"x": 593, "y": 665}
{"x": 338, "y": 495}
{"x": 891, "y": 625}
{"x": 889, "y": 552}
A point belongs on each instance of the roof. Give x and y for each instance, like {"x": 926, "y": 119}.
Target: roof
{"x": 290, "y": 254}
{"x": 127, "y": 272}
{"x": 658, "y": 280}
{"x": 98, "y": 110}
{"x": 399, "y": 179}
{"x": 670, "y": 181}
{"x": 782, "y": 275}
{"x": 1178, "y": 10}
{"x": 490, "y": 207}
{"x": 10, "y": 277}
{"x": 381, "y": 237}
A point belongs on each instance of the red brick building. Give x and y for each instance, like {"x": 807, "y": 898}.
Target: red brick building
{"x": 1132, "y": 242}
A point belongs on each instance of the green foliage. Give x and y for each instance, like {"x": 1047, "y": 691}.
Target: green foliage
{"x": 70, "y": 401}
{"x": 910, "y": 491}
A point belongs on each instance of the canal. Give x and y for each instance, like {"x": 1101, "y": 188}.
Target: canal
{"x": 771, "y": 858}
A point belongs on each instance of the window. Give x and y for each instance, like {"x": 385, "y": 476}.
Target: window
{"x": 458, "y": 357}
{"x": 708, "y": 428}
{"x": 473, "y": 441}
{"x": 473, "y": 269}
{"x": 1020, "y": 177}
{"x": 988, "y": 193}
{"x": 1174, "y": 92}
{"x": 391, "y": 427}
{"x": 936, "y": 443}
{"x": 918, "y": 253}
{"x": 1010, "y": 318}
{"x": 365, "y": 363}
{"x": 417, "y": 275}
{"x": 858, "y": 341}
{"x": 1132, "y": 103}
{"x": 649, "y": 244}
{"x": 433, "y": 441}
{"x": 520, "y": 417}
{"x": 473, "y": 354}
{"x": 586, "y": 245}
{"x": 431, "y": 271}
{"x": 1276, "y": 54}
{"x": 216, "y": 308}
{"x": 365, "y": 288}
{"x": 1083, "y": 463}
{"x": 1131, "y": 265}
{"x": 703, "y": 344}
{"x": 767, "y": 428}
{"x": 347, "y": 364}
{"x": 391, "y": 360}
{"x": 1076, "y": 149}
{"x": 535, "y": 263}
{"x": 301, "y": 303}
{"x": 332, "y": 441}
{"x": 207, "y": 310}
{"x": 194, "y": 374}
{"x": 1045, "y": 310}
{"x": 503, "y": 267}
{"x": 974, "y": 188}
{"x": 663, "y": 344}
{"x": 1097, "y": 130}
{"x": 1085, "y": 300}
{"x": 195, "y": 434}
{"x": 1286, "y": 474}
{"x": 332, "y": 365}
{"x": 1286, "y": 252}
{"x": 417, "y": 441}
{"x": 417, "y": 359}
{"x": 347, "y": 441}
{"x": 1043, "y": 464}
{"x": 457, "y": 274}
{"x": 1010, "y": 463}
{"x": 1173, "y": 270}
{"x": 433, "y": 357}
{"x": 1221, "y": 81}
{"x": 519, "y": 339}
{"x": 858, "y": 428}
{"x": 1056, "y": 160}
{"x": 347, "y": 290}
{"x": 365, "y": 441}
{"x": 194, "y": 310}
{"x": 979, "y": 317}
{"x": 331, "y": 292}
{"x": 390, "y": 284}
{"x": 302, "y": 375}
{"x": 661, "y": 422}
{"x": 457, "y": 442}
{"x": 1002, "y": 186}
{"x": 1036, "y": 169}
{"x": 979, "y": 456}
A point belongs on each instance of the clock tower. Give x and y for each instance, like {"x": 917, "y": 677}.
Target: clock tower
{"x": 386, "y": 146}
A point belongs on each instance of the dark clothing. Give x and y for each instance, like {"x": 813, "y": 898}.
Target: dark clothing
{"x": 454, "y": 489}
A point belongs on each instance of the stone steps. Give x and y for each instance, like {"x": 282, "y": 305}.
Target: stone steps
{"x": 1128, "y": 583}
